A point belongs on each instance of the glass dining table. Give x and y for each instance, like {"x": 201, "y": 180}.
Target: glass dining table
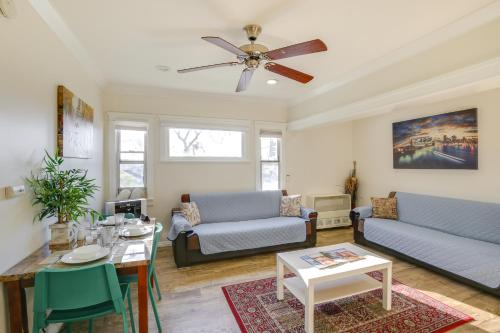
{"x": 129, "y": 255}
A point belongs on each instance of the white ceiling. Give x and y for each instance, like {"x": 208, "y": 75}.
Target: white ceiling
{"x": 126, "y": 39}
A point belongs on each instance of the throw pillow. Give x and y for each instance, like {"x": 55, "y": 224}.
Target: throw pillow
{"x": 385, "y": 208}
{"x": 191, "y": 213}
{"x": 290, "y": 205}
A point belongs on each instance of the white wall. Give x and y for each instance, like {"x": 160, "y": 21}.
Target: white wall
{"x": 32, "y": 63}
{"x": 473, "y": 47}
{"x": 171, "y": 179}
{"x": 372, "y": 147}
{"x": 318, "y": 160}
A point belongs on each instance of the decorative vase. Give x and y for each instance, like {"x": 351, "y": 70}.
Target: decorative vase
{"x": 63, "y": 235}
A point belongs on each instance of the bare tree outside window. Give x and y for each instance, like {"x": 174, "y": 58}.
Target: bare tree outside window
{"x": 189, "y": 140}
{"x": 186, "y": 142}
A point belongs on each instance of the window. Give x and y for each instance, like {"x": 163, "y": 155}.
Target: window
{"x": 186, "y": 142}
{"x": 188, "y": 139}
{"x": 130, "y": 153}
{"x": 270, "y": 160}
{"x": 131, "y": 144}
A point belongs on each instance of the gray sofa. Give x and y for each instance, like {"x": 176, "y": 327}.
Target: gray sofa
{"x": 458, "y": 238}
{"x": 236, "y": 224}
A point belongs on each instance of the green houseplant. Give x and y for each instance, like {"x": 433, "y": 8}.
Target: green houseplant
{"x": 61, "y": 193}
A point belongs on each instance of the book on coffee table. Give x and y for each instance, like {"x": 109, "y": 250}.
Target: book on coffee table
{"x": 331, "y": 258}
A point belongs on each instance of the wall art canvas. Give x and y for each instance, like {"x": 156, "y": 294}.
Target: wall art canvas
{"x": 75, "y": 125}
{"x": 444, "y": 141}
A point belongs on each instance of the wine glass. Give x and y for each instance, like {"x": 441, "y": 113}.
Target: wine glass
{"x": 106, "y": 235}
{"x": 119, "y": 221}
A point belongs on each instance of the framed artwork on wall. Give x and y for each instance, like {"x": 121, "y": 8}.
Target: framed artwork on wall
{"x": 444, "y": 141}
{"x": 75, "y": 125}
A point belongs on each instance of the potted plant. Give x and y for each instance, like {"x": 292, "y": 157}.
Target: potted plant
{"x": 61, "y": 193}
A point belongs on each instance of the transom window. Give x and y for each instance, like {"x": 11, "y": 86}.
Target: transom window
{"x": 131, "y": 158}
{"x": 189, "y": 142}
{"x": 199, "y": 139}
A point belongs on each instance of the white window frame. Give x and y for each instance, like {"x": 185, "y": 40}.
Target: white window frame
{"x": 119, "y": 151}
{"x": 260, "y": 126}
{"x": 132, "y": 121}
{"x": 168, "y": 122}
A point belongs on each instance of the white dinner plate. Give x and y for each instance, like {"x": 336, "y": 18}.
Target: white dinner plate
{"x": 136, "y": 230}
{"x": 86, "y": 252}
{"x": 107, "y": 223}
{"x": 71, "y": 258}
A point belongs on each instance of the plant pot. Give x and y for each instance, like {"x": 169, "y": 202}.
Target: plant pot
{"x": 62, "y": 235}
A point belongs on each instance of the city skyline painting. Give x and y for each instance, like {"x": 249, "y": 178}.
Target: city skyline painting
{"x": 444, "y": 141}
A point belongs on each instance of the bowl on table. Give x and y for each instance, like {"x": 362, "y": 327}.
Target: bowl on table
{"x": 136, "y": 230}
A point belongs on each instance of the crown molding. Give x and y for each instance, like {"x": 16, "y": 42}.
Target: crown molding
{"x": 56, "y": 23}
{"x": 478, "y": 77}
{"x": 466, "y": 23}
{"x": 165, "y": 92}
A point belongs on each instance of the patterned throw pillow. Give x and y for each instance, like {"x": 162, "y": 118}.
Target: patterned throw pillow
{"x": 385, "y": 208}
{"x": 290, "y": 205}
{"x": 191, "y": 213}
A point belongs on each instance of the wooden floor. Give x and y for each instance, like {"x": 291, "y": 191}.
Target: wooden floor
{"x": 193, "y": 301}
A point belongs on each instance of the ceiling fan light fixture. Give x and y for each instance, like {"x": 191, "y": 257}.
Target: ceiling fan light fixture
{"x": 253, "y": 55}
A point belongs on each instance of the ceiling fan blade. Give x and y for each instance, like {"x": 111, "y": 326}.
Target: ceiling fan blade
{"x": 311, "y": 46}
{"x": 288, "y": 72}
{"x": 245, "y": 78}
{"x": 225, "y": 45}
{"x": 199, "y": 68}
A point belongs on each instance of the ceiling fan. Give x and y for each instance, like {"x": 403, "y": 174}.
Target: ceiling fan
{"x": 251, "y": 55}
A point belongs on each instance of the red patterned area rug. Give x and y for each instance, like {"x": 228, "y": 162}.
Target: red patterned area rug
{"x": 257, "y": 310}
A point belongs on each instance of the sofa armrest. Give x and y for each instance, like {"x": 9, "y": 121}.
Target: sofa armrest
{"x": 363, "y": 211}
{"x": 308, "y": 213}
{"x": 357, "y": 216}
{"x": 179, "y": 225}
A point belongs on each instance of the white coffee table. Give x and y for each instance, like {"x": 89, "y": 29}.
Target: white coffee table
{"x": 312, "y": 285}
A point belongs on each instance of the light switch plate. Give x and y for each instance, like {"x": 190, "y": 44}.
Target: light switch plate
{"x": 14, "y": 191}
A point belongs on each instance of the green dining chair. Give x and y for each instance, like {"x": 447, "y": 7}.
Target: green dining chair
{"x": 79, "y": 294}
{"x": 129, "y": 216}
{"x": 151, "y": 274}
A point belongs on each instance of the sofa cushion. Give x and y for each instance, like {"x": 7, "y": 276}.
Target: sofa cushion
{"x": 243, "y": 235}
{"x": 385, "y": 208}
{"x": 473, "y": 259}
{"x": 290, "y": 205}
{"x": 240, "y": 206}
{"x": 191, "y": 213}
{"x": 472, "y": 219}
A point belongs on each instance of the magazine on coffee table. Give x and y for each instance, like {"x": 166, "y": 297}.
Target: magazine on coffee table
{"x": 331, "y": 258}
